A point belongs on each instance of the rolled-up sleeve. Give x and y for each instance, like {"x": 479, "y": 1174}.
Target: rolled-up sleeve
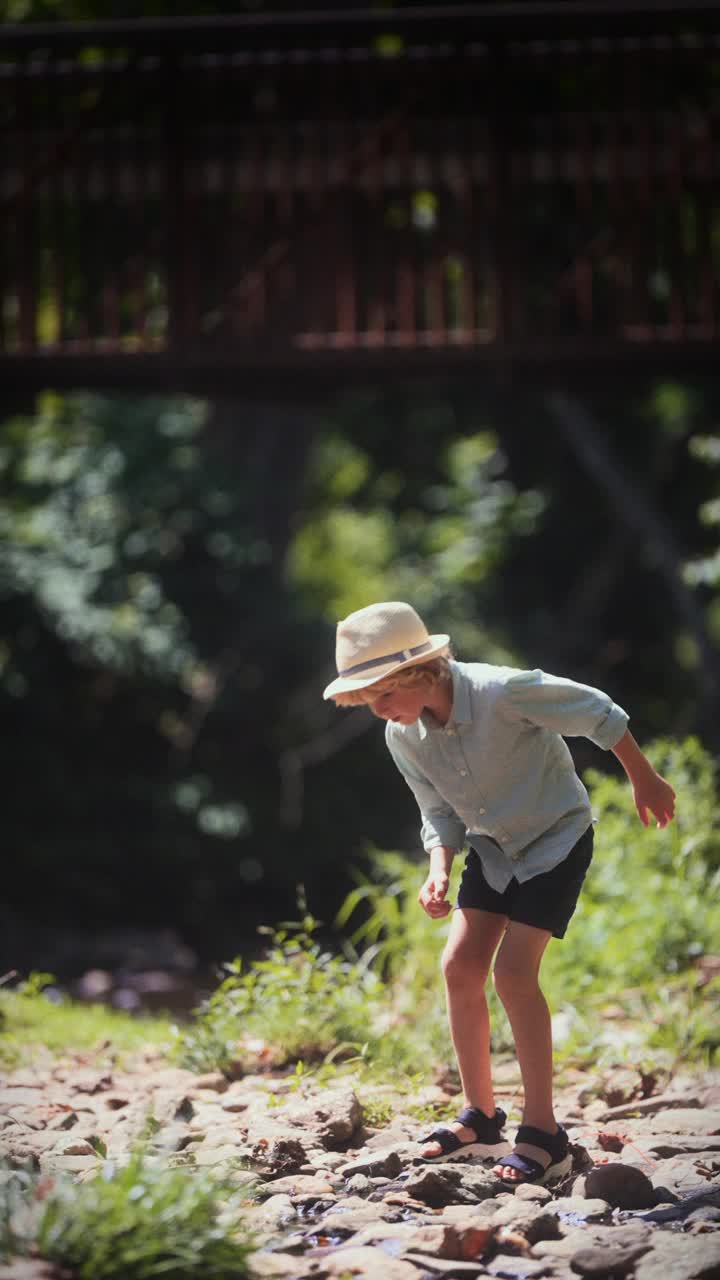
{"x": 440, "y": 823}
{"x": 571, "y": 709}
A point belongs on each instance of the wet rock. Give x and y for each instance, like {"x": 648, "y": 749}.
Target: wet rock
{"x": 272, "y": 1214}
{"x": 376, "y": 1164}
{"x": 622, "y": 1185}
{"x": 353, "y": 1215}
{"x": 705, "y": 1213}
{"x": 305, "y": 1185}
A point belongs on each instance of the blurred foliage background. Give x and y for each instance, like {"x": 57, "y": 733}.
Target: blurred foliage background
{"x": 172, "y": 570}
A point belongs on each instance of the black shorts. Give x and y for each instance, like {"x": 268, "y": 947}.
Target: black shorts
{"x": 546, "y": 901}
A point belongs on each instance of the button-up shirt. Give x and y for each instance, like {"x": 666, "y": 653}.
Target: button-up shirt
{"x": 498, "y": 773}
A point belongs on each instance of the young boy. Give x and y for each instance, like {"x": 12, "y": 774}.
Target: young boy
{"x": 480, "y": 747}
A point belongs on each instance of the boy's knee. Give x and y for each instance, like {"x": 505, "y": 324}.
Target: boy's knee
{"x": 460, "y": 966}
{"x": 513, "y": 980}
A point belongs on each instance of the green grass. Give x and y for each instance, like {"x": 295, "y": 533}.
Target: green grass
{"x": 33, "y": 1027}
{"x": 137, "y": 1222}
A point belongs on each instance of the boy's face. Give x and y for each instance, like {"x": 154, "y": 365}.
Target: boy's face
{"x": 403, "y": 705}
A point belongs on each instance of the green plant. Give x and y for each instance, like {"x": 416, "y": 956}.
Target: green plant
{"x": 132, "y": 1223}
{"x": 306, "y": 1002}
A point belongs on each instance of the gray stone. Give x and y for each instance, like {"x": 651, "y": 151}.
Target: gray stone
{"x": 529, "y": 1191}
{"x": 301, "y": 1184}
{"x": 359, "y": 1184}
{"x": 371, "y": 1264}
{"x": 352, "y": 1215}
{"x": 516, "y": 1268}
{"x": 270, "y": 1215}
{"x": 686, "y": 1120}
{"x": 581, "y": 1207}
{"x": 381, "y": 1163}
{"x": 684, "y": 1257}
{"x": 607, "y": 1260}
{"x": 534, "y": 1222}
{"x": 622, "y": 1185}
{"x": 333, "y": 1116}
{"x": 438, "y": 1186}
{"x": 206, "y": 1156}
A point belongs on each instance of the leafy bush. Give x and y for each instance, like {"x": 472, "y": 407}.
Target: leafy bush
{"x": 650, "y": 906}
{"x": 131, "y": 1223}
{"x": 301, "y": 999}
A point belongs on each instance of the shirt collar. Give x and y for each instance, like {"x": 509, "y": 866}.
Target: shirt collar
{"x": 461, "y": 712}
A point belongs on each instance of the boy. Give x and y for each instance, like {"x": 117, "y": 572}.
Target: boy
{"x": 480, "y": 747}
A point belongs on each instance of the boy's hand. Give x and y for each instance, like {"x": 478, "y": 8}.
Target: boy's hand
{"x": 650, "y": 790}
{"x": 654, "y": 793}
{"x": 433, "y": 895}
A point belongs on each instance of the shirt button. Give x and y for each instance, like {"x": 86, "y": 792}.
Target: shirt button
{"x": 481, "y": 810}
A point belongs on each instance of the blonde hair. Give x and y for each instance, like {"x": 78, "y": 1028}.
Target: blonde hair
{"x": 430, "y": 674}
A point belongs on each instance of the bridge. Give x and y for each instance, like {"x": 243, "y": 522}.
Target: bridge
{"x": 296, "y": 199}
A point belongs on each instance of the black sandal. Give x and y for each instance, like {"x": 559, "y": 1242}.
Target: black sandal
{"x": 488, "y": 1138}
{"x": 556, "y": 1145}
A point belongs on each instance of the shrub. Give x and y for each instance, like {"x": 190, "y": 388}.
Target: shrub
{"x": 303, "y": 1000}
{"x": 133, "y": 1223}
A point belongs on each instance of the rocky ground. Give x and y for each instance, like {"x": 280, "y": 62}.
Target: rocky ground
{"x": 329, "y": 1195}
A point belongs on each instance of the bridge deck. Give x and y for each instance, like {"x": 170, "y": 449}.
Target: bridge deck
{"x": 244, "y": 199}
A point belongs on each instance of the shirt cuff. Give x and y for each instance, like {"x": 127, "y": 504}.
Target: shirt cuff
{"x": 611, "y": 728}
{"x": 449, "y": 832}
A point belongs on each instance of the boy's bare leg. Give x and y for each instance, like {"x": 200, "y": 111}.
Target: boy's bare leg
{"x": 474, "y": 936}
{"x": 516, "y": 981}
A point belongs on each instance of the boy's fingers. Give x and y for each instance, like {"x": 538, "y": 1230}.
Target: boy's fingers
{"x": 643, "y": 814}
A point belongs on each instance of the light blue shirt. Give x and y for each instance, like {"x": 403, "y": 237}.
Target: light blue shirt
{"x": 498, "y": 773}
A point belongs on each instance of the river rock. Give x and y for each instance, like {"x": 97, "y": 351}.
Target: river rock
{"x": 534, "y": 1222}
{"x": 371, "y": 1264}
{"x": 382, "y": 1163}
{"x": 333, "y": 1116}
{"x": 438, "y": 1186}
{"x": 622, "y": 1185}
{"x": 680, "y": 1258}
{"x": 607, "y": 1260}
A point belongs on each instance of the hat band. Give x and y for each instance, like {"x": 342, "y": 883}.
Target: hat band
{"x": 403, "y": 655}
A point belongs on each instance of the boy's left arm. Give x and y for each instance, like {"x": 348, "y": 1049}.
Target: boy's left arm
{"x": 651, "y": 791}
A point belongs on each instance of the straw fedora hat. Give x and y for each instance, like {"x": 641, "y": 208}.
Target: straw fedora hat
{"x": 377, "y": 641}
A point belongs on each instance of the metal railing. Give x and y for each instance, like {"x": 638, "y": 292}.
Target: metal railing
{"x": 268, "y": 192}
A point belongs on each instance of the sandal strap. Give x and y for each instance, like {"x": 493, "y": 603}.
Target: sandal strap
{"x": 486, "y": 1127}
{"x": 446, "y": 1140}
{"x": 531, "y": 1169}
{"x": 556, "y": 1144}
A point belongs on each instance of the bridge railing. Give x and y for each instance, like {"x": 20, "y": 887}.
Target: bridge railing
{"x": 464, "y": 187}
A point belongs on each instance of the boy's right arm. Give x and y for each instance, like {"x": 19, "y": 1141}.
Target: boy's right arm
{"x": 433, "y": 894}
